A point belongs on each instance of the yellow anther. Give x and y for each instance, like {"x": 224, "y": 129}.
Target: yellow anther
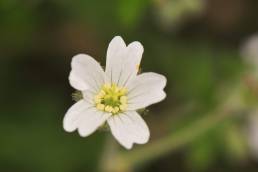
{"x": 111, "y": 109}
{"x": 123, "y": 100}
{"x": 123, "y": 107}
{"x": 115, "y": 110}
{"x": 100, "y": 106}
{"x": 108, "y": 109}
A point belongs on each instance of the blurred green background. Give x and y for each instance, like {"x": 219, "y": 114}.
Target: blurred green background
{"x": 196, "y": 44}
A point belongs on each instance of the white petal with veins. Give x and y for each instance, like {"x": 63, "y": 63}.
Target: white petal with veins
{"x": 84, "y": 117}
{"x": 146, "y": 89}
{"x": 129, "y": 128}
{"x": 74, "y": 115}
{"x": 115, "y": 57}
{"x": 91, "y": 121}
{"x": 123, "y": 62}
{"x": 131, "y": 64}
{"x": 86, "y": 73}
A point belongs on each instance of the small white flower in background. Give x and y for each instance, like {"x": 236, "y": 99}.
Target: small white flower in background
{"x": 253, "y": 133}
{"x": 249, "y": 51}
{"x": 114, "y": 95}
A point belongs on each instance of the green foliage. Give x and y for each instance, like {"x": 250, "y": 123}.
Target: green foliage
{"x": 200, "y": 59}
{"x": 131, "y": 12}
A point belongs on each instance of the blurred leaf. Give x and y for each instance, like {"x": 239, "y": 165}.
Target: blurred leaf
{"x": 202, "y": 153}
{"x": 36, "y": 140}
{"x": 18, "y": 25}
{"x": 131, "y": 12}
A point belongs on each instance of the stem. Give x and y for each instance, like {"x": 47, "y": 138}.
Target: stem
{"x": 173, "y": 141}
{"x": 125, "y": 161}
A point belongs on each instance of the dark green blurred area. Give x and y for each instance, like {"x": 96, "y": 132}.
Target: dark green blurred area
{"x": 194, "y": 43}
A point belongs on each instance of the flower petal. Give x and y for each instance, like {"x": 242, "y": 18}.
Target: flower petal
{"x": 74, "y": 114}
{"x": 85, "y": 117}
{"x": 123, "y": 62}
{"x": 88, "y": 96}
{"x": 91, "y": 121}
{"x": 131, "y": 64}
{"x": 115, "y": 53}
{"x": 86, "y": 73}
{"x": 146, "y": 89}
{"x": 129, "y": 128}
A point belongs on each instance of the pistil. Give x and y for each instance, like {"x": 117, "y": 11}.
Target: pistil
{"x": 111, "y": 98}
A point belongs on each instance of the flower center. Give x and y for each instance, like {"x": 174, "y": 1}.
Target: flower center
{"x": 111, "y": 98}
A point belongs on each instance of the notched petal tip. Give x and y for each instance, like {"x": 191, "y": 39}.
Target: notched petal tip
{"x": 159, "y": 78}
{"x": 71, "y": 116}
{"x": 77, "y": 82}
{"x": 118, "y": 37}
{"x": 128, "y": 147}
{"x": 78, "y": 58}
{"x": 163, "y": 80}
{"x": 86, "y": 72}
{"x": 67, "y": 126}
{"x": 82, "y": 133}
{"x": 163, "y": 95}
{"x": 136, "y": 45}
{"x": 117, "y": 40}
{"x": 83, "y": 59}
{"x": 135, "y": 51}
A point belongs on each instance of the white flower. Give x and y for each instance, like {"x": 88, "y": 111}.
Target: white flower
{"x": 253, "y": 133}
{"x": 113, "y": 95}
{"x": 249, "y": 51}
